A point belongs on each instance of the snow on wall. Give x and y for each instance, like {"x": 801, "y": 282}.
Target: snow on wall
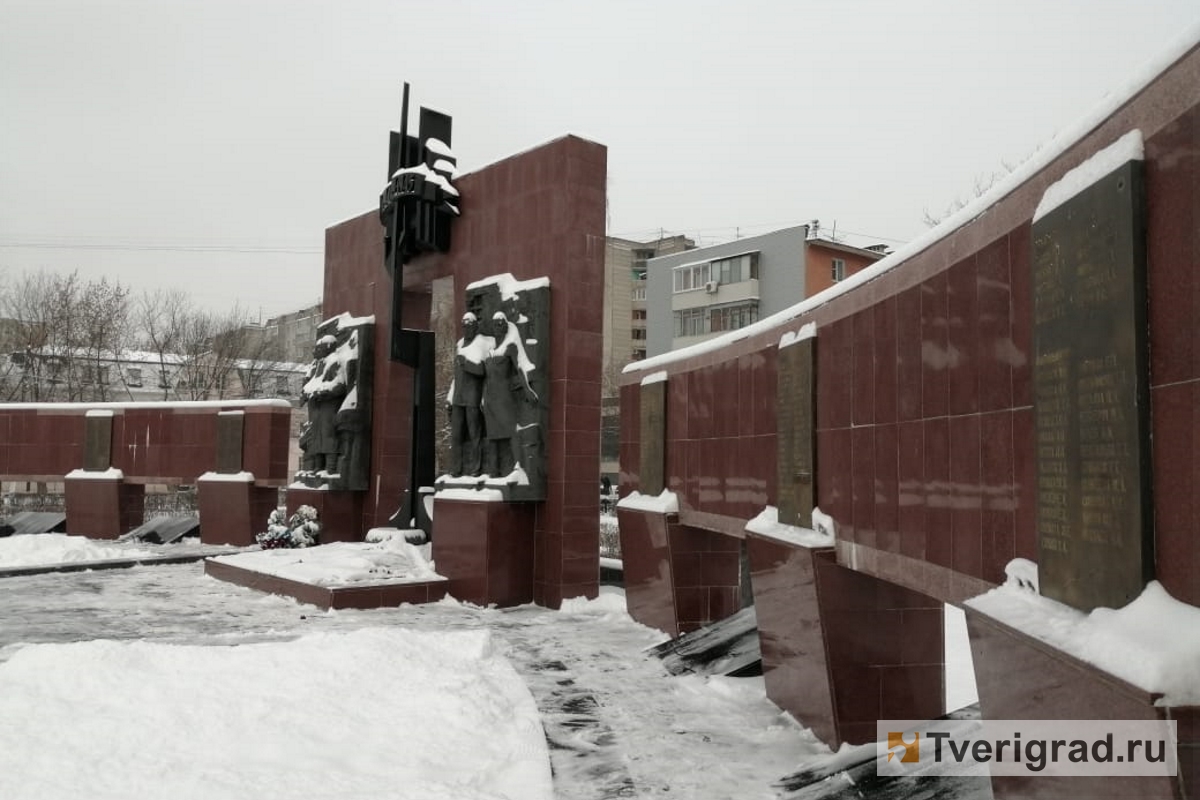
{"x": 807, "y": 331}
{"x": 1153, "y": 643}
{"x": 508, "y": 285}
{"x": 665, "y": 503}
{"x": 767, "y": 524}
{"x": 1128, "y": 148}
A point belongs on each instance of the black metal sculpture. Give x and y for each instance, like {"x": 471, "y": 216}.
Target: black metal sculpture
{"x": 417, "y": 208}
{"x": 419, "y": 202}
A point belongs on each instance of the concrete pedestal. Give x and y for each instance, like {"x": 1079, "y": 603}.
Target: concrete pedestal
{"x": 233, "y": 511}
{"x": 102, "y": 507}
{"x": 485, "y": 549}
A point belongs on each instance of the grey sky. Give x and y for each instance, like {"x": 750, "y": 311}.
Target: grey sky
{"x": 207, "y": 145}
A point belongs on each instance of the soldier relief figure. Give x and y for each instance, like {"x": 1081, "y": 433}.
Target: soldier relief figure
{"x": 336, "y": 391}
{"x": 465, "y": 399}
{"x": 505, "y": 388}
{"x": 325, "y": 387}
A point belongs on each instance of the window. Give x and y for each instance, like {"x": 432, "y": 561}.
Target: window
{"x": 736, "y": 269}
{"x": 281, "y": 385}
{"x": 639, "y": 313}
{"x": 638, "y": 355}
{"x": 699, "y": 321}
{"x": 164, "y": 379}
{"x": 724, "y": 270}
{"x": 637, "y": 333}
{"x": 692, "y": 322}
{"x": 639, "y": 293}
{"x": 133, "y": 376}
{"x": 690, "y": 277}
{"x": 839, "y": 269}
{"x": 731, "y": 318}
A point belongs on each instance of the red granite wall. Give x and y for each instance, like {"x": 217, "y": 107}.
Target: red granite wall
{"x": 925, "y": 437}
{"x": 539, "y": 213}
{"x": 151, "y": 442}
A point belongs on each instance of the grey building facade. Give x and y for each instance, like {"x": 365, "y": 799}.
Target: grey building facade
{"x": 697, "y": 294}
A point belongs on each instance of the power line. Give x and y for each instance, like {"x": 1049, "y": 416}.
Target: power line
{"x": 170, "y": 248}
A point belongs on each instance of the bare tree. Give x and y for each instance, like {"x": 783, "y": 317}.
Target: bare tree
{"x": 61, "y": 336}
{"x": 163, "y": 317}
{"x": 260, "y": 358}
{"x": 30, "y": 305}
{"x": 101, "y": 316}
{"x": 211, "y": 347}
{"x": 983, "y": 185}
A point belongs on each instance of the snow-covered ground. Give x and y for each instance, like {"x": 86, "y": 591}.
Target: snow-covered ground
{"x": 128, "y": 683}
{"x": 376, "y": 712}
{"x": 47, "y": 549}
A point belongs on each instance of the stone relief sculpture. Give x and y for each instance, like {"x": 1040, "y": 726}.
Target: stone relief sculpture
{"x": 335, "y": 442}
{"x": 498, "y": 396}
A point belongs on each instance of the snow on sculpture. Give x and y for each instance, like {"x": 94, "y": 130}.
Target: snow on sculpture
{"x": 335, "y": 442}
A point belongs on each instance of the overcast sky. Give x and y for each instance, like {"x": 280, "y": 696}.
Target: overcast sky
{"x": 207, "y": 145}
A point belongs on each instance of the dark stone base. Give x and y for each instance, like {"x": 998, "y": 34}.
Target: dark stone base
{"x": 103, "y": 508}
{"x": 232, "y": 512}
{"x": 678, "y": 578}
{"x": 485, "y": 549}
{"x": 339, "y": 512}
{"x": 380, "y": 595}
{"x": 840, "y": 649}
{"x": 1020, "y": 677}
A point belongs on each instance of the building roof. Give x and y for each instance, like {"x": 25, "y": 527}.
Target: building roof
{"x": 830, "y": 244}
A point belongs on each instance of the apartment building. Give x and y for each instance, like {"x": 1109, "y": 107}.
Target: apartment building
{"x": 624, "y": 327}
{"x": 702, "y": 293}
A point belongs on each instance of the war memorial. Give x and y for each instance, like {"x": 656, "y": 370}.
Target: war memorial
{"x": 1010, "y": 400}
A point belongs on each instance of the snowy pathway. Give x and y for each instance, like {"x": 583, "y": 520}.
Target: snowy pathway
{"x": 618, "y": 726}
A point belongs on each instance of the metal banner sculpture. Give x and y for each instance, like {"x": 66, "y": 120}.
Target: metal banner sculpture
{"x": 417, "y": 208}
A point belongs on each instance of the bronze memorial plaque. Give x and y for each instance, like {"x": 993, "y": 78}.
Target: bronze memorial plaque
{"x": 1091, "y": 395}
{"x": 796, "y": 458}
{"x": 229, "y": 442}
{"x": 653, "y": 437}
{"x": 97, "y": 442}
